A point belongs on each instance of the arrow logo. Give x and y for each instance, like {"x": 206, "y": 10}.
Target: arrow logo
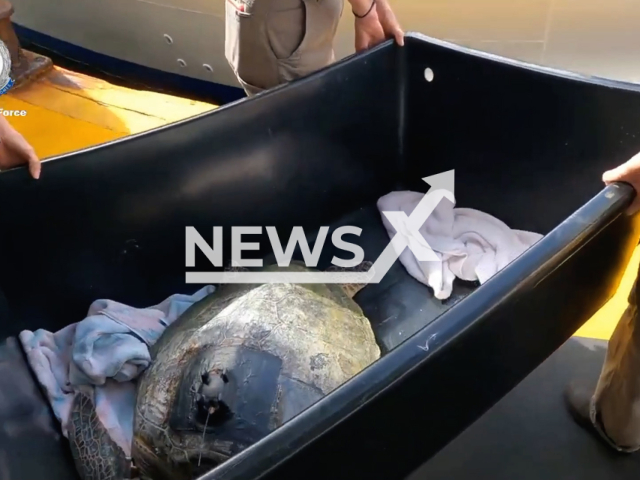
{"x": 408, "y": 228}
{"x": 407, "y": 236}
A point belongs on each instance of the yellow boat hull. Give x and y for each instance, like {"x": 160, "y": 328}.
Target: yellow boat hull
{"x": 68, "y": 111}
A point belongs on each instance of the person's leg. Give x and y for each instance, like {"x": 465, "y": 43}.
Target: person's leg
{"x": 613, "y": 410}
{"x": 270, "y": 42}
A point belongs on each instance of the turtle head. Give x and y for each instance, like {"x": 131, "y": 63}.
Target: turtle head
{"x": 211, "y": 407}
{"x": 224, "y": 403}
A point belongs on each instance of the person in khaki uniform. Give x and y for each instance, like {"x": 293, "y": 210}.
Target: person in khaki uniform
{"x": 612, "y": 411}
{"x": 271, "y": 42}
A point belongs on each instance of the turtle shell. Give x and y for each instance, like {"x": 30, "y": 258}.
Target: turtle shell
{"x": 237, "y": 365}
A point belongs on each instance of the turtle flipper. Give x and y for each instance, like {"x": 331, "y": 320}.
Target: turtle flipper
{"x": 351, "y": 289}
{"x": 96, "y": 455}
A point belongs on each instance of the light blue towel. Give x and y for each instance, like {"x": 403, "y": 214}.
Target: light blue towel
{"x": 102, "y": 355}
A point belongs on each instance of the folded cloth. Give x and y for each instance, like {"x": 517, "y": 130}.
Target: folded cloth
{"x": 471, "y": 245}
{"x": 102, "y": 355}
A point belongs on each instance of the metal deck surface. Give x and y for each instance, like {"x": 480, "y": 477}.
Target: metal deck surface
{"x": 529, "y": 435}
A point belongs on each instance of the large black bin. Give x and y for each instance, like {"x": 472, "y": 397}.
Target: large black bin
{"x": 528, "y": 145}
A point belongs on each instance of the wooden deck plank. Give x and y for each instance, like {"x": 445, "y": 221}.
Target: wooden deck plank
{"x": 67, "y": 111}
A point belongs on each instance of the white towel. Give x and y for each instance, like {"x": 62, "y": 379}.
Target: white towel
{"x": 471, "y": 245}
{"x": 102, "y": 355}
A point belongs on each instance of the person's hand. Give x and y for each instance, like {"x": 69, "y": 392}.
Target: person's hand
{"x": 628, "y": 172}
{"x": 15, "y": 150}
{"x": 389, "y": 22}
{"x": 376, "y": 26}
{"x": 369, "y": 32}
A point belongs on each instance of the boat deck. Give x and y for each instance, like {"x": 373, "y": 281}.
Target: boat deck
{"x": 529, "y": 435}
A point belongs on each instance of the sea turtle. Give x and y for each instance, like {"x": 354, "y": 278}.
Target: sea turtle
{"x": 235, "y": 366}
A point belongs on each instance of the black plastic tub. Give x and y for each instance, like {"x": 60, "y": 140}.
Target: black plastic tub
{"x": 528, "y": 145}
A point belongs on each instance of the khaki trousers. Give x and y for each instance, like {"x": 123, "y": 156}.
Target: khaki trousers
{"x": 615, "y": 406}
{"x": 270, "y": 42}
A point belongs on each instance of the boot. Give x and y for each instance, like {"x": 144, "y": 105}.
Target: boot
{"x": 577, "y": 399}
